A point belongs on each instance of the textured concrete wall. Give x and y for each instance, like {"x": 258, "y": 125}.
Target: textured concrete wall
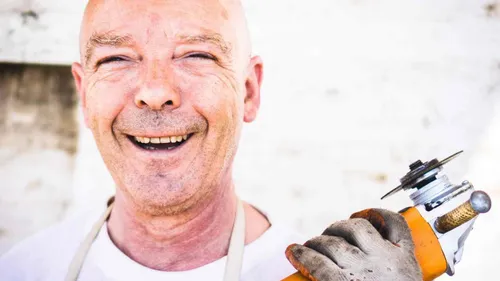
{"x": 354, "y": 91}
{"x": 38, "y": 140}
{"x": 40, "y": 31}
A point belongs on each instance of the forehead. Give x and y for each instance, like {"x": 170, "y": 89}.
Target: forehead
{"x": 143, "y": 19}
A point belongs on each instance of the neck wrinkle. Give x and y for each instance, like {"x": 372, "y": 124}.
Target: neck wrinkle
{"x": 184, "y": 241}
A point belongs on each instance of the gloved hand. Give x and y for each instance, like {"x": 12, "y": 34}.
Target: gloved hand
{"x": 373, "y": 245}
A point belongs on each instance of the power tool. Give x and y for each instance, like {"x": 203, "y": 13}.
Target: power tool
{"x": 441, "y": 219}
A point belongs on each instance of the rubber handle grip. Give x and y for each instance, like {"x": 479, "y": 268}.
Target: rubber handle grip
{"x": 455, "y": 218}
{"x": 427, "y": 248}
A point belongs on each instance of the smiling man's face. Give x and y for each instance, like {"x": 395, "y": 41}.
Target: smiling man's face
{"x": 165, "y": 87}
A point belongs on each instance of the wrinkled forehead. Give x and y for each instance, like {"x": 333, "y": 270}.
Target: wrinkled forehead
{"x": 147, "y": 19}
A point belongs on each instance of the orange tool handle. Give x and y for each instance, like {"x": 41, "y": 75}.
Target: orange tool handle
{"x": 428, "y": 251}
{"x": 427, "y": 248}
{"x": 296, "y": 277}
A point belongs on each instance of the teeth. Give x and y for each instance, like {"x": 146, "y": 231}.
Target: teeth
{"x": 142, "y": 140}
{"x": 173, "y": 139}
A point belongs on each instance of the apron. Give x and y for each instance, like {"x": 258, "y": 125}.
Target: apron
{"x": 234, "y": 255}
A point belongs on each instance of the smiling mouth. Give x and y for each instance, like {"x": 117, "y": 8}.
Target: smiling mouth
{"x": 160, "y": 143}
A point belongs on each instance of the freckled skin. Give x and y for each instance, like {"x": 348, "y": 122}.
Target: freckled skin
{"x": 172, "y": 211}
{"x": 210, "y": 98}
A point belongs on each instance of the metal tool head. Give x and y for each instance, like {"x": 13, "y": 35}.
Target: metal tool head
{"x": 417, "y": 170}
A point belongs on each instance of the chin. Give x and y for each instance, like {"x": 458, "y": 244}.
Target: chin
{"x": 165, "y": 197}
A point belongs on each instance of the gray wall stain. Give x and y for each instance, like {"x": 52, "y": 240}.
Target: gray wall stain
{"x": 492, "y": 9}
{"x": 38, "y": 142}
{"x": 37, "y": 107}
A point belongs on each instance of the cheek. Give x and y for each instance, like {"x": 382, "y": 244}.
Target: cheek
{"x": 214, "y": 96}
{"x": 107, "y": 95}
{"x": 217, "y": 99}
{"x": 221, "y": 106}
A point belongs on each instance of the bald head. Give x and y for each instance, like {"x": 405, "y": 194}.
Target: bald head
{"x": 116, "y": 23}
{"x": 157, "y": 69}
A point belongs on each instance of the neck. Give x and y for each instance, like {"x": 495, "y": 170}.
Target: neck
{"x": 184, "y": 241}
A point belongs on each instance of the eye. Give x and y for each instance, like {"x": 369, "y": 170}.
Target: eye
{"x": 109, "y": 60}
{"x": 201, "y": 56}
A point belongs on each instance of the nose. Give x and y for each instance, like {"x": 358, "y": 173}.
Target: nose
{"x": 158, "y": 97}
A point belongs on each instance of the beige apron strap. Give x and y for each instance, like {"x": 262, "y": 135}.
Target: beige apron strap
{"x": 236, "y": 246}
{"x": 79, "y": 258}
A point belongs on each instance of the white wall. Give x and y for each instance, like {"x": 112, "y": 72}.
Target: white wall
{"x": 354, "y": 91}
{"x": 40, "y": 31}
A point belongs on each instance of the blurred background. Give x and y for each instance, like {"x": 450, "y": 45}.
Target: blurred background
{"x": 354, "y": 91}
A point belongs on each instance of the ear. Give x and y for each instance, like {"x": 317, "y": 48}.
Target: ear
{"x": 252, "y": 86}
{"x": 78, "y": 74}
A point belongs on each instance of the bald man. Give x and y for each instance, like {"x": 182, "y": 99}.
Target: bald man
{"x": 165, "y": 87}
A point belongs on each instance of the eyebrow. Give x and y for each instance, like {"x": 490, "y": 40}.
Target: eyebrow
{"x": 106, "y": 39}
{"x": 115, "y": 40}
{"x": 213, "y": 38}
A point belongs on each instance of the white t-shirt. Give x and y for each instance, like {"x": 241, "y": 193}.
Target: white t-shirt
{"x": 47, "y": 255}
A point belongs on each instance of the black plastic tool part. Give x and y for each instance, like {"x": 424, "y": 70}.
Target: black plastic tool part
{"x": 418, "y": 169}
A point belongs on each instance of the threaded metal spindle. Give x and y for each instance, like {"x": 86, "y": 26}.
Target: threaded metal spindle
{"x": 478, "y": 203}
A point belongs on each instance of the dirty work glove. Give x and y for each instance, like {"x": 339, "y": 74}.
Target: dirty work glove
{"x": 373, "y": 245}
